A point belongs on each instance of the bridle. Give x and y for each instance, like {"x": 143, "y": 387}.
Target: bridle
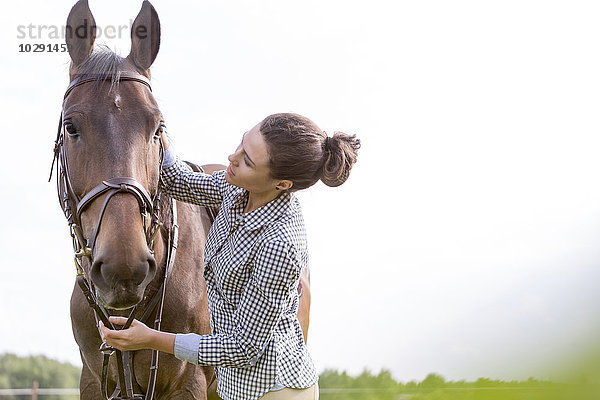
{"x": 112, "y": 186}
{"x": 149, "y": 206}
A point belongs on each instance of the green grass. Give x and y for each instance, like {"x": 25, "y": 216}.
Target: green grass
{"x": 366, "y": 386}
{"x": 550, "y": 392}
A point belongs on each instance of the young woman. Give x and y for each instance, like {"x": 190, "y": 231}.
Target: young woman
{"x": 254, "y": 255}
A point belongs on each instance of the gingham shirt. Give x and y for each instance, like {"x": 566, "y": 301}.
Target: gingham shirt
{"x": 252, "y": 268}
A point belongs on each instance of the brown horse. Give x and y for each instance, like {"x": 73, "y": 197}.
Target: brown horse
{"x": 110, "y": 129}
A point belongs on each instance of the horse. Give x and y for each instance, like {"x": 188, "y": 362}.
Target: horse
{"x": 110, "y": 125}
{"x": 138, "y": 254}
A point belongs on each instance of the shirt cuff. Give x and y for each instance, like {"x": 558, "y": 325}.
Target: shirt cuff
{"x": 277, "y": 386}
{"x": 186, "y": 347}
{"x": 169, "y": 158}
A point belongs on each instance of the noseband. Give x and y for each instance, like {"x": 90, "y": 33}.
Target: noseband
{"x": 73, "y": 207}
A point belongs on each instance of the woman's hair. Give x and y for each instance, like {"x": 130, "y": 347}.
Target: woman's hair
{"x": 303, "y": 153}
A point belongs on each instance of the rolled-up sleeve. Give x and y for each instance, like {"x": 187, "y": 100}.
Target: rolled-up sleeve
{"x": 179, "y": 181}
{"x": 186, "y": 347}
{"x": 273, "y": 284}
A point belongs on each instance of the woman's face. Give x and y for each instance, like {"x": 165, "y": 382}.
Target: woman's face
{"x": 249, "y": 164}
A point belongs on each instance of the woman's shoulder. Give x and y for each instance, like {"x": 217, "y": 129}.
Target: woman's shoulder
{"x": 289, "y": 228}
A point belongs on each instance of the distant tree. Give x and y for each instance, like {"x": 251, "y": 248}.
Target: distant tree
{"x": 20, "y": 372}
{"x": 331, "y": 378}
{"x": 364, "y": 380}
{"x": 433, "y": 381}
{"x": 483, "y": 382}
{"x": 533, "y": 382}
{"x": 411, "y": 385}
{"x": 384, "y": 380}
{"x": 4, "y": 382}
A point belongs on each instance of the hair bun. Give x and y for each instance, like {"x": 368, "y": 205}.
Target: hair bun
{"x": 339, "y": 156}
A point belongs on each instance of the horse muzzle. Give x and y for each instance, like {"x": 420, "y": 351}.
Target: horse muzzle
{"x": 122, "y": 256}
{"x": 121, "y": 279}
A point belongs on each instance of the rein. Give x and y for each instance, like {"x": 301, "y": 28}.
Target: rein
{"x": 149, "y": 207}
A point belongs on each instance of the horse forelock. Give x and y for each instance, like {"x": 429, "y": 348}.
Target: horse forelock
{"x": 104, "y": 65}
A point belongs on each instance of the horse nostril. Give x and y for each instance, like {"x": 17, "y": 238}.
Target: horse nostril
{"x": 151, "y": 265}
{"x": 110, "y": 273}
{"x": 96, "y": 272}
{"x": 151, "y": 268}
{"x": 136, "y": 275}
{"x": 143, "y": 272}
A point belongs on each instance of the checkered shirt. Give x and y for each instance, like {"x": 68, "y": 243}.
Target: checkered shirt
{"x": 252, "y": 268}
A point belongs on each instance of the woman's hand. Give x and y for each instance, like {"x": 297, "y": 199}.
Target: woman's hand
{"x": 138, "y": 336}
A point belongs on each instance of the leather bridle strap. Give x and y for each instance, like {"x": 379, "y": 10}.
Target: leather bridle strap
{"x": 113, "y": 186}
{"x": 122, "y": 185}
{"x": 123, "y": 76}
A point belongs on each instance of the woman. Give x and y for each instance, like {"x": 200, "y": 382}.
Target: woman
{"x": 254, "y": 255}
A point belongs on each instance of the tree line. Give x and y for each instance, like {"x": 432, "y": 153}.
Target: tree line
{"x": 382, "y": 386}
{"x": 20, "y": 372}
{"x": 331, "y": 378}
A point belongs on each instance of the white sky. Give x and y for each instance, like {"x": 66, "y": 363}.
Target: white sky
{"x": 464, "y": 242}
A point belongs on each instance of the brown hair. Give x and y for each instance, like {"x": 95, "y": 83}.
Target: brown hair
{"x": 303, "y": 153}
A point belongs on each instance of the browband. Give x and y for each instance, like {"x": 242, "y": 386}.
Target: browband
{"x": 124, "y": 76}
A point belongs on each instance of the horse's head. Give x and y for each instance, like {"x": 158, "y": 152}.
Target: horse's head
{"x": 111, "y": 128}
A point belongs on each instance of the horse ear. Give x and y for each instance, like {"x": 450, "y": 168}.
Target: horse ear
{"x": 80, "y": 32}
{"x": 145, "y": 37}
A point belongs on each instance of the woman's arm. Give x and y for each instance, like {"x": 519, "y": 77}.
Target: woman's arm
{"x": 179, "y": 181}
{"x": 304, "y": 302}
{"x": 138, "y": 336}
{"x": 210, "y": 168}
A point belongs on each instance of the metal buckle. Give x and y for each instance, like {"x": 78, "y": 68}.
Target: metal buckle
{"x": 106, "y": 349}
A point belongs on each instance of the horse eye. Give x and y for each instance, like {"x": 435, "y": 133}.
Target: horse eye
{"x": 160, "y": 130}
{"x": 70, "y": 129}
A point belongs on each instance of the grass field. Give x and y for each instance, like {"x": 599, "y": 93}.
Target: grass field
{"x": 551, "y": 392}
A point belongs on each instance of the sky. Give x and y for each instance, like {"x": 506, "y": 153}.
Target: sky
{"x": 464, "y": 242}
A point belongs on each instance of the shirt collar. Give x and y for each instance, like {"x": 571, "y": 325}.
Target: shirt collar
{"x": 263, "y": 215}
